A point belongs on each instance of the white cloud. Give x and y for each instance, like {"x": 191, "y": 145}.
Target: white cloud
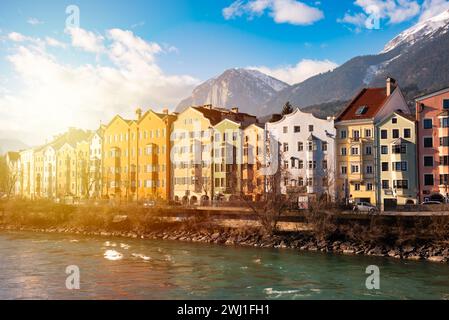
{"x": 394, "y": 11}
{"x": 282, "y": 11}
{"x": 17, "y": 37}
{"x": 431, "y": 8}
{"x": 52, "y": 42}
{"x": 86, "y": 40}
{"x": 34, "y": 21}
{"x": 303, "y": 70}
{"x": 54, "y": 95}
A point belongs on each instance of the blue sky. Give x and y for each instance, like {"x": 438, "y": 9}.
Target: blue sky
{"x": 159, "y": 50}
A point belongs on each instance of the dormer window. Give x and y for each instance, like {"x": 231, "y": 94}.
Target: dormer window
{"x": 361, "y": 110}
{"x": 394, "y": 120}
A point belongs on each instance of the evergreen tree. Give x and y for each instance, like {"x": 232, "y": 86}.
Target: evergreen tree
{"x": 287, "y": 109}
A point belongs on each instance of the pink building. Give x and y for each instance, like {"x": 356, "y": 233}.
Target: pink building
{"x": 432, "y": 115}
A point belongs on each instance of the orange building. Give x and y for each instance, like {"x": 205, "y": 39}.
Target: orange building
{"x": 136, "y": 164}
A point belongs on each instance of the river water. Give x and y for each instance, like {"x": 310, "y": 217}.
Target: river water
{"x": 33, "y": 266}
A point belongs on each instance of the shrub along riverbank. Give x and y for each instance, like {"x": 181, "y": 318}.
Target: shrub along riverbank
{"x": 420, "y": 238}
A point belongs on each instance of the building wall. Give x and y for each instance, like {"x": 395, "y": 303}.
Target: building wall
{"x": 154, "y": 159}
{"x": 395, "y": 191}
{"x": 27, "y": 175}
{"x": 191, "y": 156}
{"x": 253, "y": 159}
{"x": 95, "y": 157}
{"x": 66, "y": 171}
{"x": 116, "y": 150}
{"x": 303, "y": 167}
{"x": 432, "y": 109}
{"x": 227, "y": 159}
{"x": 50, "y": 170}
{"x": 356, "y": 164}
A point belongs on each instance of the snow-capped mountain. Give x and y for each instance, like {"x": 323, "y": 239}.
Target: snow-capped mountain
{"x": 417, "y": 58}
{"x": 424, "y": 30}
{"x": 244, "y": 88}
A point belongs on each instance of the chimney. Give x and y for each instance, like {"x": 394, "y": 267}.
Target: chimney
{"x": 235, "y": 110}
{"x": 138, "y": 113}
{"x": 207, "y": 106}
{"x": 165, "y": 111}
{"x": 391, "y": 85}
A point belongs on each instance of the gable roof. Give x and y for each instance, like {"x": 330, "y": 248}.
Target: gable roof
{"x": 432, "y": 94}
{"x": 214, "y": 115}
{"x": 372, "y": 99}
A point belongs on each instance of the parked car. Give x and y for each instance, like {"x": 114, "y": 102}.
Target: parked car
{"x": 431, "y": 202}
{"x": 365, "y": 207}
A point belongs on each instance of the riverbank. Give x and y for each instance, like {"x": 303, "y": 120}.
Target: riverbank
{"x": 422, "y": 240}
{"x": 434, "y": 252}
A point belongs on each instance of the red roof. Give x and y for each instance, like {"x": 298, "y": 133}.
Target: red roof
{"x": 371, "y": 98}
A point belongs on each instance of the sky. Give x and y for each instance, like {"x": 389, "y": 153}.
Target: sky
{"x": 78, "y": 63}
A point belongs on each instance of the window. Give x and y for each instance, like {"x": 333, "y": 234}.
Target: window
{"x": 311, "y": 128}
{"x": 357, "y": 187}
{"x": 369, "y": 186}
{"x": 285, "y": 129}
{"x": 399, "y": 149}
{"x": 343, "y": 134}
{"x": 324, "y": 164}
{"x": 444, "y": 141}
{"x": 356, "y": 134}
{"x": 312, "y": 164}
{"x": 385, "y": 184}
{"x": 361, "y": 110}
{"x": 445, "y": 103}
{"x": 324, "y": 146}
{"x": 297, "y": 129}
{"x": 310, "y": 182}
{"x": 395, "y": 133}
{"x": 400, "y": 166}
{"x": 300, "y": 146}
{"x": 301, "y": 164}
{"x": 383, "y": 134}
{"x": 384, "y": 149}
{"x": 368, "y": 150}
{"x": 384, "y": 166}
{"x": 428, "y": 161}
{"x": 394, "y": 120}
{"x": 428, "y": 142}
{"x": 285, "y": 147}
{"x": 427, "y": 124}
{"x": 444, "y": 160}
{"x": 428, "y": 180}
{"x": 367, "y": 133}
{"x": 400, "y": 184}
{"x": 369, "y": 169}
{"x": 354, "y": 168}
{"x": 344, "y": 170}
{"x": 343, "y": 151}
{"x": 407, "y": 133}
{"x": 354, "y": 150}
{"x": 444, "y": 122}
{"x": 444, "y": 179}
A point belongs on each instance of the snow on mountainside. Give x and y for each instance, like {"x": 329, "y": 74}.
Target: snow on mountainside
{"x": 248, "y": 89}
{"x": 423, "y": 30}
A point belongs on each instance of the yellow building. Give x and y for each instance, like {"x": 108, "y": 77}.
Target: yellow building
{"x": 136, "y": 163}
{"x": 253, "y": 159}
{"x": 356, "y": 142}
{"x": 66, "y": 168}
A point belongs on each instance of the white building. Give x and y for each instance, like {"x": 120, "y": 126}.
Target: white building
{"x": 49, "y": 179}
{"x": 306, "y": 153}
{"x": 27, "y": 177}
{"x": 95, "y": 163}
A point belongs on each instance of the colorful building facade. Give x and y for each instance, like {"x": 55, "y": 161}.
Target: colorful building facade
{"x": 397, "y": 164}
{"x": 432, "y": 116}
{"x": 357, "y": 142}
